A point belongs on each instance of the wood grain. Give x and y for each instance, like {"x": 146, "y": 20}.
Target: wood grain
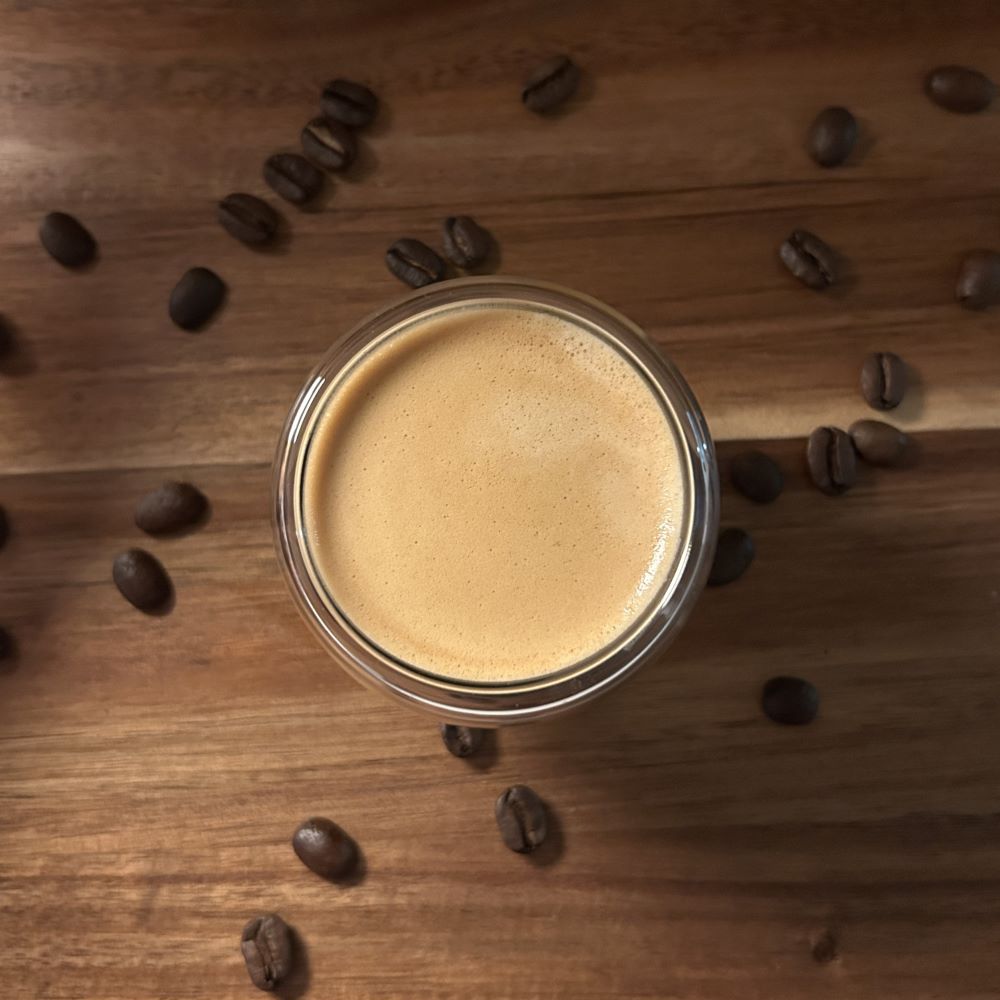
{"x": 153, "y": 769}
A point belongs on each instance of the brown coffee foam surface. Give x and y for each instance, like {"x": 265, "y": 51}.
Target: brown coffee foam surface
{"x": 493, "y": 494}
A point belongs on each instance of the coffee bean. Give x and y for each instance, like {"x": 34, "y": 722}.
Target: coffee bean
{"x": 4, "y": 528}
{"x": 267, "y": 949}
{"x": 883, "y": 380}
{"x": 143, "y": 582}
{"x": 832, "y": 136}
{"x": 830, "y": 456}
{"x": 6, "y": 645}
{"x": 293, "y": 177}
{"x": 808, "y": 258}
{"x": 960, "y": 89}
{"x": 324, "y": 848}
{"x": 522, "y": 818}
{"x": 790, "y": 701}
{"x": 170, "y": 508}
{"x": 554, "y": 82}
{"x": 757, "y": 476}
{"x": 462, "y": 741}
{"x": 878, "y": 443}
{"x": 65, "y": 238}
{"x": 734, "y": 552}
{"x": 414, "y": 263}
{"x": 329, "y": 144}
{"x": 248, "y": 218}
{"x": 978, "y": 284}
{"x": 466, "y": 243}
{"x": 349, "y": 103}
{"x": 196, "y": 297}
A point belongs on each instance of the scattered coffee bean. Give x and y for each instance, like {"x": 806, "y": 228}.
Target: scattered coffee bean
{"x": 143, "y": 582}
{"x": 329, "y": 144}
{"x": 248, "y": 218}
{"x": 832, "y": 136}
{"x": 790, "y": 701}
{"x": 4, "y": 527}
{"x": 267, "y": 948}
{"x": 808, "y": 258}
{"x": 414, "y": 263}
{"x": 466, "y": 243}
{"x": 324, "y": 848}
{"x": 554, "y": 82}
{"x": 830, "y": 456}
{"x": 170, "y": 508}
{"x": 978, "y": 284}
{"x": 883, "y": 380}
{"x": 293, "y": 177}
{"x": 522, "y": 818}
{"x": 960, "y": 89}
{"x": 462, "y": 741}
{"x": 878, "y": 443}
{"x": 734, "y": 552}
{"x": 349, "y": 103}
{"x": 66, "y": 239}
{"x": 196, "y": 297}
{"x": 757, "y": 476}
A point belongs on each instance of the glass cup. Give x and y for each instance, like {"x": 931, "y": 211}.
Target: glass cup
{"x": 490, "y": 704}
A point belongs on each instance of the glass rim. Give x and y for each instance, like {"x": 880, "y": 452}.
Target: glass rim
{"x": 481, "y": 703}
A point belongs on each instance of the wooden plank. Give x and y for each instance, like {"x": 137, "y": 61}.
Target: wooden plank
{"x": 155, "y": 767}
{"x": 676, "y": 225}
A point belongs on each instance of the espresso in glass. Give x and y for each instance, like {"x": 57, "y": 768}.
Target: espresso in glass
{"x": 496, "y": 501}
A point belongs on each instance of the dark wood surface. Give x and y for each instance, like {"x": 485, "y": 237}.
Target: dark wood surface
{"x": 152, "y": 769}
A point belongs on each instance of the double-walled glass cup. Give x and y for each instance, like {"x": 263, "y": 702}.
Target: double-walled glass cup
{"x": 491, "y": 704}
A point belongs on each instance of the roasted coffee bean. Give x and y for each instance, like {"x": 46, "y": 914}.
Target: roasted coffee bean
{"x": 143, "y": 582}
{"x": 196, "y": 297}
{"x": 4, "y": 527}
{"x": 832, "y": 136}
{"x": 734, "y": 552}
{"x": 757, "y": 476}
{"x": 466, "y": 243}
{"x": 65, "y": 238}
{"x": 809, "y": 259}
{"x": 522, "y": 818}
{"x": 324, "y": 848}
{"x": 462, "y": 741}
{"x": 830, "y": 456}
{"x": 6, "y": 645}
{"x": 878, "y": 443}
{"x": 267, "y": 948}
{"x": 883, "y": 380}
{"x": 978, "y": 284}
{"x": 960, "y": 89}
{"x": 248, "y": 218}
{"x": 293, "y": 177}
{"x": 329, "y": 144}
{"x": 172, "y": 507}
{"x": 554, "y": 82}
{"x": 349, "y": 103}
{"x": 414, "y": 263}
{"x": 790, "y": 701}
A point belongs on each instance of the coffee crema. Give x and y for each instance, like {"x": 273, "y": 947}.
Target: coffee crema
{"x": 493, "y": 493}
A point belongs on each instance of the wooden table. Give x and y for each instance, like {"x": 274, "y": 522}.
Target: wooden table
{"x": 153, "y": 769}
